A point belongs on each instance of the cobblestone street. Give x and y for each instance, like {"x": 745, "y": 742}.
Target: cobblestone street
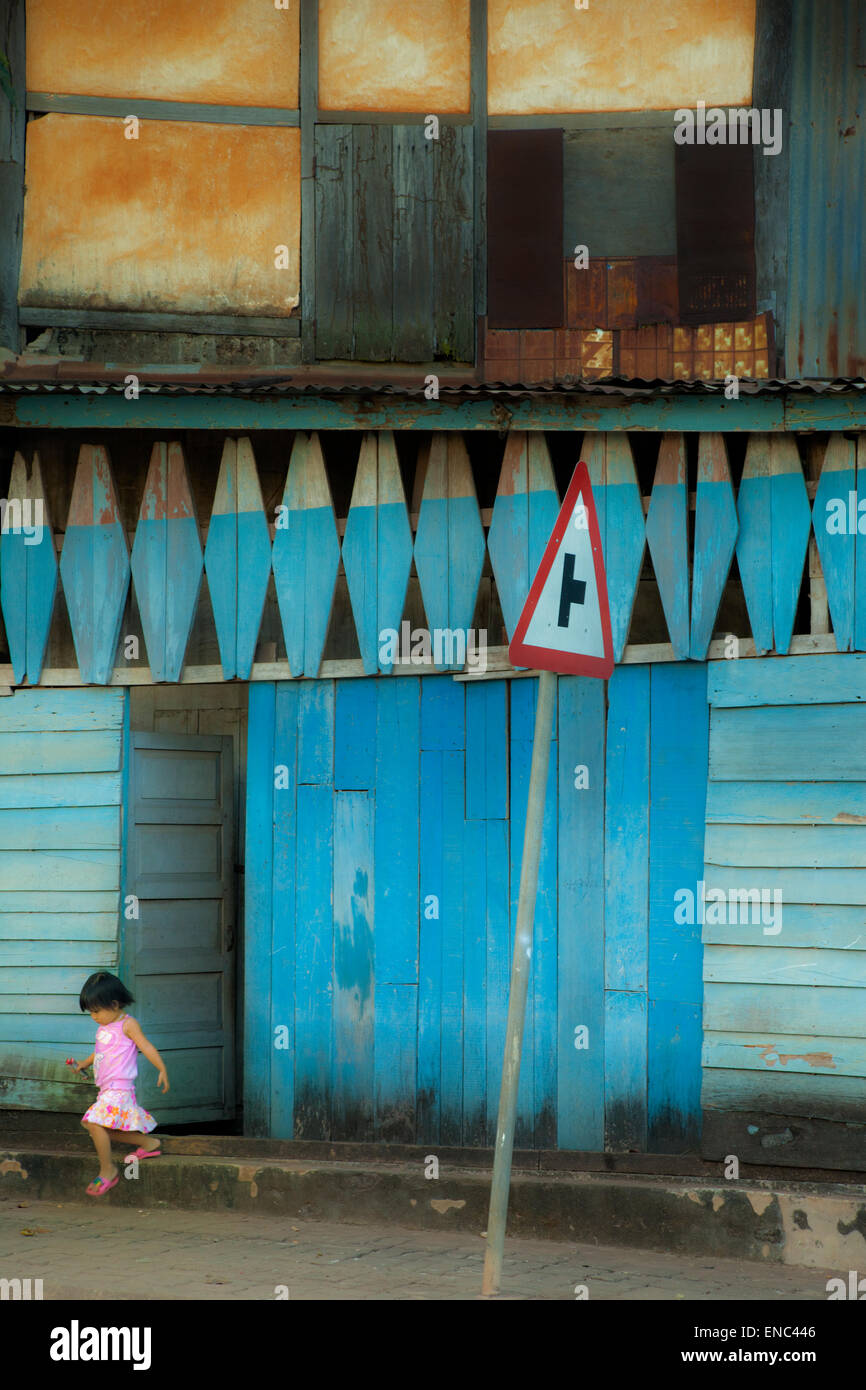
{"x": 168, "y": 1254}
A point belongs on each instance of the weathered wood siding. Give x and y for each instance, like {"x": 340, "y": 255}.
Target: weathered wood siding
{"x": 394, "y": 243}
{"x": 61, "y": 762}
{"x": 784, "y": 1052}
{"x": 384, "y": 838}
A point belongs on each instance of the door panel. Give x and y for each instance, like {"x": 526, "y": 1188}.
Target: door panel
{"x": 179, "y": 954}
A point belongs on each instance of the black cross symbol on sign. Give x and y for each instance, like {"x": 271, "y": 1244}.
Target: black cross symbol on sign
{"x": 573, "y": 591}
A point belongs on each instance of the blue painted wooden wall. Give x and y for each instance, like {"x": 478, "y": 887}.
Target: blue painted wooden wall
{"x": 384, "y": 835}
{"x": 61, "y": 759}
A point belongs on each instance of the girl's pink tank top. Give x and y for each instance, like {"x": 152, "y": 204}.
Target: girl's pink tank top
{"x": 115, "y": 1061}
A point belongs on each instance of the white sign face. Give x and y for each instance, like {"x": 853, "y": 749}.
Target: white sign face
{"x": 567, "y": 616}
{"x": 565, "y": 623}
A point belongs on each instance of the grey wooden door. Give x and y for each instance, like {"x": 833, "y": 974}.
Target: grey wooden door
{"x": 178, "y": 955}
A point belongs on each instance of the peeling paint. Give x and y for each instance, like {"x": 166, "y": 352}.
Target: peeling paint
{"x": 718, "y": 1201}
{"x": 247, "y": 1173}
{"x": 759, "y": 1201}
{"x": 443, "y": 1205}
{"x": 11, "y": 1165}
{"x": 771, "y": 1056}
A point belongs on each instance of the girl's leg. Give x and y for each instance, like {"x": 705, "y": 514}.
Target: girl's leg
{"x": 135, "y": 1136}
{"x": 102, "y": 1143}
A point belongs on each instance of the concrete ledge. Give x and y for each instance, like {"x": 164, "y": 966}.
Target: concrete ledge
{"x": 818, "y": 1225}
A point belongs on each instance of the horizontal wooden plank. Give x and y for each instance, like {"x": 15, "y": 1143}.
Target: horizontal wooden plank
{"x": 47, "y": 900}
{"x": 51, "y": 979}
{"x": 816, "y": 680}
{"x": 148, "y": 110}
{"x": 46, "y": 1025}
{"x": 46, "y": 711}
{"x": 784, "y": 1052}
{"x": 44, "y": 1095}
{"x": 791, "y": 1141}
{"x": 43, "y": 790}
{"x": 45, "y": 1063}
{"x": 52, "y": 952}
{"x": 795, "y": 885}
{"x": 774, "y": 964}
{"x": 803, "y": 924}
{"x": 126, "y": 320}
{"x": 96, "y": 751}
{"x": 56, "y": 927}
{"x": 816, "y": 1010}
{"x": 787, "y": 846}
{"x": 840, "y": 1098}
{"x": 783, "y": 803}
{"x": 79, "y": 870}
{"x": 61, "y": 828}
{"x": 820, "y": 743}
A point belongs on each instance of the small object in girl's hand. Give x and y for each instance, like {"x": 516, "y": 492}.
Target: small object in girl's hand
{"x": 70, "y": 1061}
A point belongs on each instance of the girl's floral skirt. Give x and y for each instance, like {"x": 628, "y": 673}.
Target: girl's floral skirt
{"x": 119, "y": 1110}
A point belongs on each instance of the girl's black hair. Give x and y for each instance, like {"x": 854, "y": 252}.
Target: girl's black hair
{"x": 103, "y": 991}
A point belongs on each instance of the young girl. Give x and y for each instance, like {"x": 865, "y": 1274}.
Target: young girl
{"x": 119, "y": 1040}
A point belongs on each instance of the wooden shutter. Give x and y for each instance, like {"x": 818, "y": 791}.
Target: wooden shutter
{"x": 715, "y": 233}
{"x": 524, "y": 229}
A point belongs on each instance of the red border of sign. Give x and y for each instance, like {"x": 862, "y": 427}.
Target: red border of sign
{"x": 546, "y": 658}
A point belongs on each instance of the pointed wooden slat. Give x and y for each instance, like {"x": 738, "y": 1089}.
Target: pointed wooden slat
{"x": 715, "y": 539}
{"x": 667, "y": 533}
{"x": 94, "y": 565}
{"x": 836, "y": 550}
{"x": 616, "y": 493}
{"x": 237, "y": 558}
{"x": 792, "y": 520}
{"x": 28, "y": 571}
{"x": 754, "y": 540}
{"x": 306, "y": 556}
{"x": 377, "y": 546}
{"x": 167, "y": 561}
{"x": 449, "y": 544}
{"x": 524, "y": 514}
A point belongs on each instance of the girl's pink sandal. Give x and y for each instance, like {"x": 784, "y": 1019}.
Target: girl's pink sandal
{"x": 99, "y": 1186}
{"x": 143, "y": 1153}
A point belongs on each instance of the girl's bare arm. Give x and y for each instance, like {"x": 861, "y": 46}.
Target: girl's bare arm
{"x": 133, "y": 1030}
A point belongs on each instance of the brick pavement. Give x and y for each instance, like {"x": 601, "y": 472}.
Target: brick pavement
{"x": 94, "y": 1251}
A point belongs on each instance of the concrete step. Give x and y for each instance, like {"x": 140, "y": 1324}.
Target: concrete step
{"x": 821, "y": 1225}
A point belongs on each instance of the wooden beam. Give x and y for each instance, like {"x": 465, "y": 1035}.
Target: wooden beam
{"x": 161, "y": 110}
{"x": 771, "y": 91}
{"x": 590, "y": 120}
{"x": 309, "y": 110}
{"x": 478, "y": 19}
{"x": 388, "y": 118}
{"x": 12, "y": 121}
{"x": 131, "y": 321}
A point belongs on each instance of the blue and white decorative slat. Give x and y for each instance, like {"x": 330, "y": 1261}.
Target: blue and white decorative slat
{"x": 619, "y": 508}
{"x": 306, "y": 556}
{"x": 377, "y": 549}
{"x": 836, "y": 543}
{"x": 237, "y": 558}
{"x": 715, "y": 539}
{"x": 449, "y": 543}
{"x": 860, "y": 551}
{"x": 754, "y": 541}
{"x": 28, "y": 570}
{"x": 167, "y": 561}
{"x": 524, "y": 513}
{"x": 667, "y": 533}
{"x": 94, "y": 566}
{"x": 792, "y": 522}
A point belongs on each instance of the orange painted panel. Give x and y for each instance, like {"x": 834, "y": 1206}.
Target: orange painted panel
{"x": 632, "y": 55}
{"x": 185, "y": 219}
{"x": 232, "y": 52}
{"x": 394, "y": 55}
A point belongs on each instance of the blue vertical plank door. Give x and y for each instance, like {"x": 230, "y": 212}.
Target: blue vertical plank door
{"x": 385, "y": 835}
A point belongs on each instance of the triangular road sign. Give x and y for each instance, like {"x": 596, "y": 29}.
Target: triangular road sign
{"x": 565, "y": 623}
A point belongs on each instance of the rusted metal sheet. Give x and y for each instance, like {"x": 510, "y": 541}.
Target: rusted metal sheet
{"x": 524, "y": 229}
{"x": 186, "y": 218}
{"x": 236, "y": 52}
{"x": 715, "y": 232}
{"x": 550, "y": 56}
{"x": 394, "y": 55}
{"x": 826, "y": 324}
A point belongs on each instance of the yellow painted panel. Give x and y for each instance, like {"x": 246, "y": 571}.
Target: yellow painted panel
{"x": 629, "y": 55}
{"x": 185, "y": 219}
{"x": 394, "y": 55}
{"x": 232, "y": 52}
